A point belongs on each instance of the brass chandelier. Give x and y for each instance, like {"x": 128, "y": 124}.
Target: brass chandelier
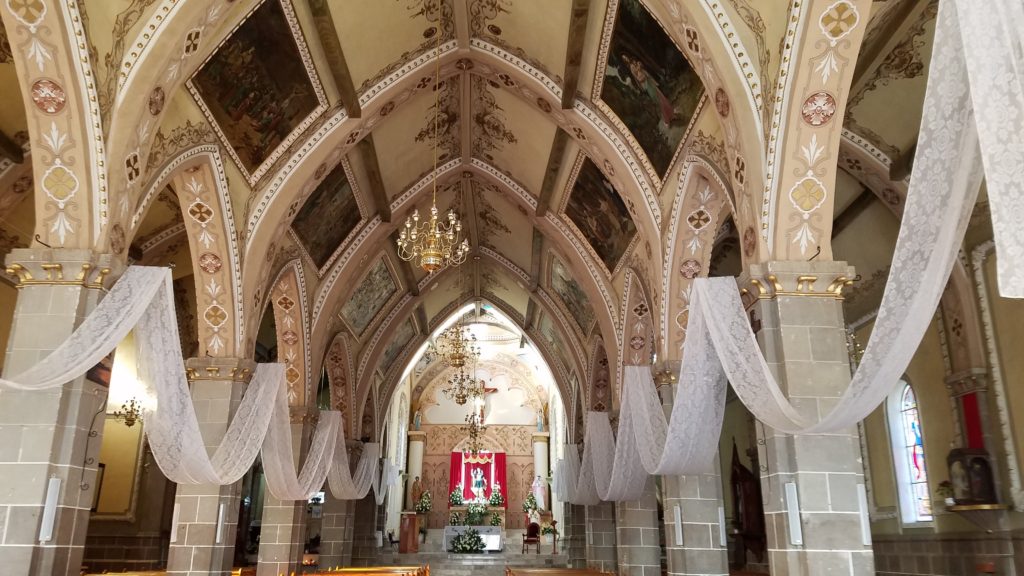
{"x": 475, "y": 428}
{"x": 434, "y": 243}
{"x": 457, "y": 346}
{"x": 461, "y": 387}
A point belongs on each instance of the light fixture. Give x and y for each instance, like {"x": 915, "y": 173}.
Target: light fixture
{"x": 457, "y": 346}
{"x": 461, "y": 387}
{"x": 434, "y": 243}
{"x": 130, "y": 412}
{"x": 476, "y": 429}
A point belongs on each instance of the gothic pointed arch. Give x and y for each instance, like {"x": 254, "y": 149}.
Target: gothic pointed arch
{"x": 288, "y": 297}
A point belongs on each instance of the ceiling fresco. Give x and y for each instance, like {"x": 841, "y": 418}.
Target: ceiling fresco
{"x": 375, "y": 289}
{"x": 258, "y": 88}
{"x": 649, "y": 85}
{"x": 598, "y": 212}
{"x": 333, "y": 201}
{"x": 572, "y": 296}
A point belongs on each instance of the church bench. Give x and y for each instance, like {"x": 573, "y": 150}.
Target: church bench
{"x": 514, "y": 571}
{"x": 379, "y": 571}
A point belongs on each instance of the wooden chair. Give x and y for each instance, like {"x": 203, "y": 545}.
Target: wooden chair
{"x": 532, "y": 536}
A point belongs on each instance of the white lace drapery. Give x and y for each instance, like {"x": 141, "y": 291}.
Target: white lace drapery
{"x": 946, "y": 178}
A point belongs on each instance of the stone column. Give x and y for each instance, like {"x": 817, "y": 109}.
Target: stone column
{"x": 637, "y": 533}
{"x": 699, "y": 499}
{"x": 798, "y": 318}
{"x": 600, "y": 531}
{"x": 574, "y": 535}
{"x": 283, "y": 531}
{"x": 335, "y": 550}
{"x": 540, "y": 465}
{"x": 417, "y": 441}
{"x": 50, "y": 439}
{"x": 364, "y": 534}
{"x": 203, "y": 540}
{"x": 339, "y": 520}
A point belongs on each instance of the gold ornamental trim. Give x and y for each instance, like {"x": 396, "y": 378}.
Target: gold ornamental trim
{"x": 88, "y": 276}
{"x": 215, "y": 373}
{"x": 770, "y": 287}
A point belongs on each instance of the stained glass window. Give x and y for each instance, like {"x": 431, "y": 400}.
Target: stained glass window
{"x": 908, "y": 455}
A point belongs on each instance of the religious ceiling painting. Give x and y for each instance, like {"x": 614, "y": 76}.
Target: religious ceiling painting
{"x": 375, "y": 289}
{"x": 572, "y": 295}
{"x": 648, "y": 84}
{"x": 598, "y": 212}
{"x": 334, "y": 202}
{"x": 554, "y": 342}
{"x": 259, "y": 89}
{"x": 403, "y": 334}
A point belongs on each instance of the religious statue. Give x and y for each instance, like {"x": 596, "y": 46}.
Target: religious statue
{"x": 539, "y": 493}
{"x": 416, "y": 421}
{"x": 478, "y": 485}
{"x": 417, "y": 490}
{"x": 540, "y": 420}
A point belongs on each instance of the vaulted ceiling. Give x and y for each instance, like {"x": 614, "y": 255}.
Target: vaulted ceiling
{"x": 553, "y": 236}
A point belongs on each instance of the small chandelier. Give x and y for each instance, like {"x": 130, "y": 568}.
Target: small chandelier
{"x": 461, "y": 387}
{"x": 457, "y": 346}
{"x": 476, "y": 429}
{"x": 434, "y": 243}
{"x": 130, "y": 413}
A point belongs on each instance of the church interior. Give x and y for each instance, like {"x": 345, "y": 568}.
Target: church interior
{"x": 519, "y": 287}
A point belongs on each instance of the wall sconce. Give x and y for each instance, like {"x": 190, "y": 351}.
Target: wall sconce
{"x": 130, "y": 413}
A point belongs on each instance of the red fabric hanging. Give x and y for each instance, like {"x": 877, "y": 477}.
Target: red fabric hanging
{"x": 499, "y": 475}
{"x": 454, "y": 473}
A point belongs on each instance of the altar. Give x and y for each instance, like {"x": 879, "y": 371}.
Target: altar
{"x": 493, "y": 540}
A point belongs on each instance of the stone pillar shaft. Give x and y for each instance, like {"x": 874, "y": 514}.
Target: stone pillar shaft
{"x": 54, "y": 435}
{"x": 804, "y": 340}
{"x": 336, "y": 533}
{"x": 417, "y": 441}
{"x": 574, "y": 535}
{"x": 698, "y": 497}
{"x": 637, "y": 535}
{"x": 540, "y": 465}
{"x": 283, "y": 530}
{"x": 600, "y": 531}
{"x": 203, "y": 540}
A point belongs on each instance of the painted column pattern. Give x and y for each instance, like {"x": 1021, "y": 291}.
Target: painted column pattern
{"x": 799, "y": 325}
{"x": 203, "y": 540}
{"x": 283, "y": 533}
{"x": 698, "y": 498}
{"x": 48, "y": 440}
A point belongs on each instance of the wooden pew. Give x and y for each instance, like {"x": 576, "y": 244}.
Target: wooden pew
{"x": 377, "y": 571}
{"x": 514, "y": 571}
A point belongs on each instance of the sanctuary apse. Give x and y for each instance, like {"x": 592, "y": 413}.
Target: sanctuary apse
{"x": 299, "y": 285}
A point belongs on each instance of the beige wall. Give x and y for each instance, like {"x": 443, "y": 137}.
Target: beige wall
{"x": 1008, "y": 326}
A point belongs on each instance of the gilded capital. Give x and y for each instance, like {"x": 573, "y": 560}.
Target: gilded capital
{"x": 62, "y": 267}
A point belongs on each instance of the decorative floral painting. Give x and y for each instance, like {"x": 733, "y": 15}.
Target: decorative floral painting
{"x": 333, "y": 201}
{"x": 554, "y": 341}
{"x": 572, "y": 295}
{"x": 256, "y": 88}
{"x": 373, "y": 292}
{"x": 599, "y": 213}
{"x": 399, "y": 341}
{"x": 649, "y": 84}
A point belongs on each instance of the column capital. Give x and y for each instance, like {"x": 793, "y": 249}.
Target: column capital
{"x": 304, "y": 414}
{"x": 220, "y": 369}
{"x": 63, "y": 267}
{"x": 962, "y": 383}
{"x": 541, "y": 437}
{"x": 417, "y": 436}
{"x": 769, "y": 280}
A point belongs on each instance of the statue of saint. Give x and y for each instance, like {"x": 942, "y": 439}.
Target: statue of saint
{"x": 540, "y": 420}
{"x": 539, "y": 492}
{"x": 479, "y": 485}
{"x": 416, "y": 421}
{"x": 417, "y": 490}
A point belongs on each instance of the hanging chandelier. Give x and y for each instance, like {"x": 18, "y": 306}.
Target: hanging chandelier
{"x": 476, "y": 429}
{"x": 461, "y": 387}
{"x": 457, "y": 346}
{"x": 433, "y": 243}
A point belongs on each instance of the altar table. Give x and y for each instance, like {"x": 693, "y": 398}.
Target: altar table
{"x": 493, "y": 540}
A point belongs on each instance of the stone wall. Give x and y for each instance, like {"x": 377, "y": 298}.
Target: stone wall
{"x": 952, "y": 554}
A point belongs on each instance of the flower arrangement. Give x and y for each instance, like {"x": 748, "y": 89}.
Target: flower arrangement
{"x": 469, "y": 542}
{"x": 425, "y": 503}
{"x": 455, "y": 519}
{"x": 496, "y": 498}
{"x": 530, "y": 503}
{"x": 945, "y": 489}
{"x": 548, "y": 529}
{"x": 475, "y": 514}
{"x": 495, "y": 520}
{"x": 455, "y": 498}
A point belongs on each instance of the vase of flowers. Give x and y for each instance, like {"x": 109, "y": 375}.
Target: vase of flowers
{"x": 549, "y": 531}
{"x": 475, "y": 514}
{"x": 495, "y": 519}
{"x": 469, "y": 542}
{"x": 425, "y": 503}
{"x": 530, "y": 504}
{"x": 455, "y": 498}
{"x": 455, "y": 519}
{"x": 496, "y": 500}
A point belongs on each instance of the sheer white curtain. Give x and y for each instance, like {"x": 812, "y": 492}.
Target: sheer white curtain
{"x": 977, "y": 52}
